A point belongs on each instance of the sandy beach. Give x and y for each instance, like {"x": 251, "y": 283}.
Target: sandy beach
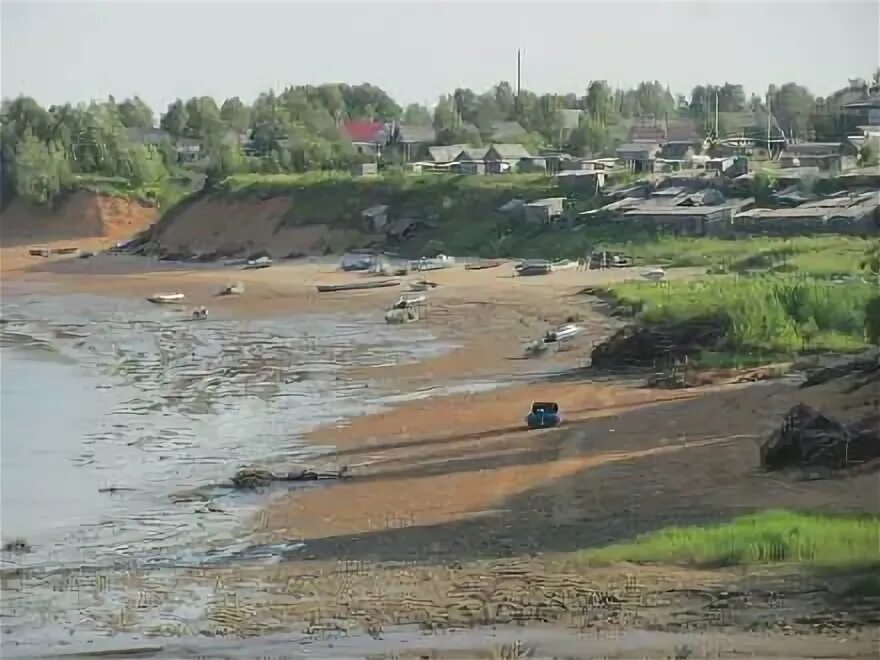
{"x": 442, "y": 480}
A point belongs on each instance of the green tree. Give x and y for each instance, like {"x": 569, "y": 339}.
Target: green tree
{"x": 40, "y": 172}
{"x": 236, "y": 114}
{"x": 599, "y": 101}
{"x": 134, "y": 113}
{"x": 176, "y": 119}
{"x": 417, "y": 115}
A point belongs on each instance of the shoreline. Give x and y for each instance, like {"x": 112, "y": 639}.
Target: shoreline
{"x": 454, "y": 480}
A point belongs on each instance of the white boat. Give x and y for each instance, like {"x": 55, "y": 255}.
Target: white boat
{"x": 654, "y": 274}
{"x": 563, "y": 332}
{"x": 165, "y": 298}
{"x": 563, "y": 264}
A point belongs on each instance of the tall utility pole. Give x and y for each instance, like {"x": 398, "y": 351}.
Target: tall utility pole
{"x": 518, "y": 77}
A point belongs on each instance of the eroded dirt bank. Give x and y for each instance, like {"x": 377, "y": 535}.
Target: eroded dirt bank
{"x": 78, "y": 215}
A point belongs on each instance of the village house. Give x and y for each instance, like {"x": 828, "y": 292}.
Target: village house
{"x": 471, "y": 160}
{"x": 367, "y": 137}
{"x": 638, "y": 156}
{"x": 504, "y": 157}
{"x": 444, "y": 154}
{"x": 542, "y": 211}
{"x": 827, "y": 156}
{"x": 412, "y": 140}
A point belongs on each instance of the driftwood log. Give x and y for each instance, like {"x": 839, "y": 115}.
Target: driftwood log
{"x": 255, "y": 477}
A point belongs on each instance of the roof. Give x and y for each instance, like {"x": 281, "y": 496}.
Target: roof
{"x": 675, "y": 210}
{"x": 639, "y": 148}
{"x": 506, "y": 130}
{"x": 870, "y": 102}
{"x": 472, "y": 153}
{"x": 413, "y": 133}
{"x": 445, "y": 153}
{"x": 547, "y": 201}
{"x": 814, "y": 149}
{"x": 508, "y": 151}
{"x": 365, "y": 131}
{"x": 672, "y": 129}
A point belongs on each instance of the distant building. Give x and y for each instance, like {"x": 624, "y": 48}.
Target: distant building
{"x": 504, "y": 157}
{"x": 827, "y": 156}
{"x": 444, "y": 154}
{"x": 638, "y": 156}
{"x": 412, "y": 140}
{"x": 367, "y": 137}
{"x": 364, "y": 169}
{"x": 544, "y": 210}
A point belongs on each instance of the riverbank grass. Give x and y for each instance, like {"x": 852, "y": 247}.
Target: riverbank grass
{"x": 781, "y": 315}
{"x": 763, "y": 538}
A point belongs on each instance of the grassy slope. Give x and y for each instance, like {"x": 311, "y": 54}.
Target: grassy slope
{"x": 783, "y": 314}
{"x": 768, "y": 537}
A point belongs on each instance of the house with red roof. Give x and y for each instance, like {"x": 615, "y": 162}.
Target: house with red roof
{"x": 368, "y": 137}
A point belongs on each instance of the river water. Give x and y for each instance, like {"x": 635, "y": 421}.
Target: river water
{"x": 108, "y": 406}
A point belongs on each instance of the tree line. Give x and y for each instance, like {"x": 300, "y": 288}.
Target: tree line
{"x": 46, "y": 150}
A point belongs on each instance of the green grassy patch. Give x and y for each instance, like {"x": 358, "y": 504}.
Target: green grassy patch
{"x": 774, "y": 314}
{"x": 768, "y": 537}
{"x": 820, "y": 256}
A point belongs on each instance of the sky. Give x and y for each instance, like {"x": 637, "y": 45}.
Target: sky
{"x": 69, "y": 51}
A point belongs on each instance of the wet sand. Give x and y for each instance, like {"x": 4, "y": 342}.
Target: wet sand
{"x": 445, "y": 481}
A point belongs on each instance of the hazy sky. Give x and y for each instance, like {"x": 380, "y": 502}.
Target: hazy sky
{"x": 417, "y": 49}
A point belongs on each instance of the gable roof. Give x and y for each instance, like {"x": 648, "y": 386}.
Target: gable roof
{"x": 444, "y": 153}
{"x": 505, "y": 151}
{"x": 472, "y": 153}
{"x": 413, "y": 133}
{"x": 372, "y": 132}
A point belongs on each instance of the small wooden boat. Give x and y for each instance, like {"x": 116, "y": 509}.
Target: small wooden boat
{"x": 562, "y": 333}
{"x": 65, "y": 250}
{"x": 483, "y": 265}
{"x": 165, "y": 298}
{"x": 654, "y": 274}
{"x": 534, "y": 268}
{"x": 262, "y": 262}
{"x": 39, "y": 252}
{"x": 355, "y": 286}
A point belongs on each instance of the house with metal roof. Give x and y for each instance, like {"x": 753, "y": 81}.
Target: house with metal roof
{"x": 834, "y": 156}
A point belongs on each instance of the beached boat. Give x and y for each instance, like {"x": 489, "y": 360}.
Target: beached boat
{"x": 537, "y": 267}
{"x": 354, "y": 286}
{"x": 438, "y": 262}
{"x": 165, "y": 298}
{"x": 654, "y": 274}
{"x": 563, "y": 332}
{"x": 483, "y": 265}
{"x": 262, "y": 262}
